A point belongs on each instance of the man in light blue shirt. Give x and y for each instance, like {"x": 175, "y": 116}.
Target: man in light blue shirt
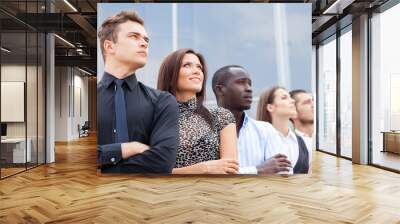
{"x": 232, "y": 88}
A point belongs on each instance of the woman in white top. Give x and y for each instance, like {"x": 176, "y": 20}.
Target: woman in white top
{"x": 277, "y": 107}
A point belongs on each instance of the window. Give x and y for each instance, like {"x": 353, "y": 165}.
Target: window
{"x": 327, "y": 95}
{"x": 346, "y": 92}
{"x": 22, "y": 76}
{"x": 385, "y": 88}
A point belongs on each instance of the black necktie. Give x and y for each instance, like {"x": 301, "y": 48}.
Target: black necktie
{"x": 120, "y": 113}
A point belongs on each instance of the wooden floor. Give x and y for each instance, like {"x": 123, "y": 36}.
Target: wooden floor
{"x": 10, "y": 171}
{"x": 69, "y": 191}
{"x": 387, "y": 159}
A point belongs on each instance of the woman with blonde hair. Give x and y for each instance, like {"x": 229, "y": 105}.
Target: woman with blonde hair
{"x": 207, "y": 137}
{"x": 277, "y": 107}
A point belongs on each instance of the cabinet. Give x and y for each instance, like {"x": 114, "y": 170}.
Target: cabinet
{"x": 391, "y": 141}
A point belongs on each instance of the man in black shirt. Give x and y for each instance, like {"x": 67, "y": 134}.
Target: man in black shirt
{"x": 137, "y": 125}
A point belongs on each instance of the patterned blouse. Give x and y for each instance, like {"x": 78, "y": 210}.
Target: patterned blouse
{"x": 197, "y": 141}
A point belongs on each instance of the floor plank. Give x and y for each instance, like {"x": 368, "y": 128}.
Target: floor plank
{"x": 386, "y": 159}
{"x": 69, "y": 191}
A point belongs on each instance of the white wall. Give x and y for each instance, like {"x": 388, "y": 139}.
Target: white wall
{"x": 70, "y": 83}
{"x": 61, "y": 103}
{"x": 79, "y": 117}
{"x": 12, "y": 73}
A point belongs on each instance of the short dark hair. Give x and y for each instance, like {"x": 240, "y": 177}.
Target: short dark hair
{"x": 296, "y": 92}
{"x": 110, "y": 27}
{"x": 221, "y": 76}
{"x": 293, "y": 95}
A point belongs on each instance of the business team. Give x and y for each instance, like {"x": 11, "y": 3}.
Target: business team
{"x": 169, "y": 130}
